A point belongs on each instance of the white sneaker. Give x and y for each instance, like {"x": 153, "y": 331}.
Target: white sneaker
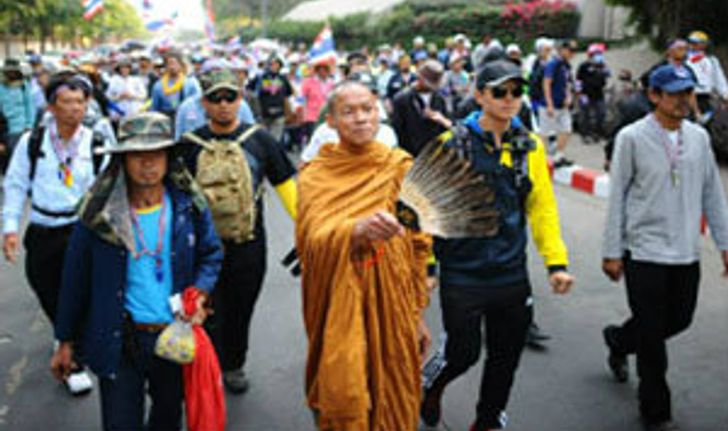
{"x": 79, "y": 383}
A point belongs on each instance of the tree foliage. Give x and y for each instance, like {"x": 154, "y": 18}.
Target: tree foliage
{"x": 666, "y": 19}
{"x": 62, "y": 20}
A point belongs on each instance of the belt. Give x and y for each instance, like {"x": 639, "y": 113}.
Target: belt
{"x": 150, "y": 327}
{"x": 56, "y": 214}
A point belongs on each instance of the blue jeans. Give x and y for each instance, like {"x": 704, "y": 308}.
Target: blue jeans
{"x": 122, "y": 398}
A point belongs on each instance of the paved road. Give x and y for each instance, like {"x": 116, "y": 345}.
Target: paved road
{"x": 565, "y": 388}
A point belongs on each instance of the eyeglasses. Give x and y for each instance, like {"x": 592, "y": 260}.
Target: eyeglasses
{"x": 227, "y": 96}
{"x": 501, "y": 92}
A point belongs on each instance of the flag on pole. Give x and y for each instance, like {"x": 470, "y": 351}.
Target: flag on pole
{"x": 91, "y": 8}
{"x": 156, "y": 24}
{"x": 210, "y": 21}
{"x": 323, "y": 49}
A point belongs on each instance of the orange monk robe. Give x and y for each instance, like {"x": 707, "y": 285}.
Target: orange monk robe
{"x": 361, "y": 315}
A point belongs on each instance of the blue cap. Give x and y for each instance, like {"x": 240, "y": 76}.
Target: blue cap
{"x": 671, "y": 79}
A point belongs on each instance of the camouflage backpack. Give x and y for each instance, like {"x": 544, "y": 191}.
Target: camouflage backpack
{"x": 224, "y": 175}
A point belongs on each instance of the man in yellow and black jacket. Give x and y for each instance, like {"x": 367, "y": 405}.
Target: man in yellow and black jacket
{"x": 486, "y": 279}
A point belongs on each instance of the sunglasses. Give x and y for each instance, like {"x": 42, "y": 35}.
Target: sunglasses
{"x": 501, "y": 92}
{"x": 227, "y": 96}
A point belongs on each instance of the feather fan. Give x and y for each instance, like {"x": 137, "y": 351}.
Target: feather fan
{"x": 443, "y": 196}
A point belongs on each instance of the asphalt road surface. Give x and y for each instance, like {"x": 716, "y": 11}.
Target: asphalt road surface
{"x": 566, "y": 387}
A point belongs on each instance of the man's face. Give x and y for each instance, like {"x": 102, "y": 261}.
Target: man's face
{"x": 145, "y": 168}
{"x": 125, "y": 70}
{"x": 566, "y": 53}
{"x": 405, "y": 64}
{"x": 222, "y": 106}
{"x": 679, "y": 53}
{"x": 275, "y": 66}
{"x": 145, "y": 64}
{"x": 69, "y": 107}
{"x": 13, "y": 76}
{"x": 173, "y": 66}
{"x": 503, "y": 101}
{"x": 322, "y": 71}
{"x": 354, "y": 115}
{"x": 672, "y": 105}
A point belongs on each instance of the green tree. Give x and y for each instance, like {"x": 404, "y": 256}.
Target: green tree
{"x": 666, "y": 19}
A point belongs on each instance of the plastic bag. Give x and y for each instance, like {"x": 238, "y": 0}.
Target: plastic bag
{"x": 204, "y": 395}
{"x": 176, "y": 343}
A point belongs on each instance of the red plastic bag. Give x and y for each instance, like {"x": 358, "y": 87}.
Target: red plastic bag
{"x": 204, "y": 394}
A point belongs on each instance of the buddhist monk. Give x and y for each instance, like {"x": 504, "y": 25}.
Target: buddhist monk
{"x": 364, "y": 277}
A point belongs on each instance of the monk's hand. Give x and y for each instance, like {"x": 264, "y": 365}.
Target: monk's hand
{"x": 561, "y": 282}
{"x": 424, "y": 339}
{"x": 381, "y": 226}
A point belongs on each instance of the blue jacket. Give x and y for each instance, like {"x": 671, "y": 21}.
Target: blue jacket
{"x": 16, "y": 103}
{"x": 91, "y": 300}
{"x": 524, "y": 194}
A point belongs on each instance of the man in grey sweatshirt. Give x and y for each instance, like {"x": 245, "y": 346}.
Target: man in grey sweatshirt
{"x": 663, "y": 179}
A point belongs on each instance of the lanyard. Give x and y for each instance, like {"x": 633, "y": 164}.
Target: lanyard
{"x": 65, "y": 154}
{"x": 673, "y": 152}
{"x": 157, "y": 253}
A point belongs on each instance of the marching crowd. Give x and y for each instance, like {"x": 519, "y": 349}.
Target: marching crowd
{"x": 144, "y": 173}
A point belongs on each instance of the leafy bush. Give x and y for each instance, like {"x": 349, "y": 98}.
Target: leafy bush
{"x": 438, "y": 21}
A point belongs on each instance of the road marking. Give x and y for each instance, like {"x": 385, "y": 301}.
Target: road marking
{"x": 5, "y": 338}
{"x": 39, "y": 323}
{"x": 15, "y": 378}
{"x": 3, "y": 414}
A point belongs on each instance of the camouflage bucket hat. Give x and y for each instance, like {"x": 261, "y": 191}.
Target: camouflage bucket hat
{"x": 147, "y": 131}
{"x": 216, "y": 80}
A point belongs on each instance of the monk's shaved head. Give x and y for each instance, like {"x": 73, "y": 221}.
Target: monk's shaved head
{"x": 343, "y": 89}
{"x": 353, "y": 113}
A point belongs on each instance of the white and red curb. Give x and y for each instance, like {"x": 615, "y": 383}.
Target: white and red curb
{"x": 583, "y": 179}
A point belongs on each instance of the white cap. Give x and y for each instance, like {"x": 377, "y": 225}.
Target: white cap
{"x": 512, "y": 48}
{"x": 543, "y": 42}
{"x": 419, "y": 40}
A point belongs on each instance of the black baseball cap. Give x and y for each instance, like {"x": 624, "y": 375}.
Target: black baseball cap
{"x": 497, "y": 72}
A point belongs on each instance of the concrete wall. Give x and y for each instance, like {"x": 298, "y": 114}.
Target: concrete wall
{"x": 602, "y": 21}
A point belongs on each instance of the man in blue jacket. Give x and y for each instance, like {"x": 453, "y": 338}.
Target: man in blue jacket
{"x": 16, "y": 105}
{"x": 143, "y": 237}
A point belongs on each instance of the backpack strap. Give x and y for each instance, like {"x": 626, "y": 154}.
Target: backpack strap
{"x": 248, "y": 133}
{"x": 191, "y": 137}
{"x": 35, "y": 140}
{"x": 98, "y": 141}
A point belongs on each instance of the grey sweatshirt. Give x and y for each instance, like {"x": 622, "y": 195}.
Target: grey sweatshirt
{"x": 650, "y": 216}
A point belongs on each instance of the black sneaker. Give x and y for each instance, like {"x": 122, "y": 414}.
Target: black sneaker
{"x": 535, "y": 338}
{"x": 236, "y": 382}
{"x": 617, "y": 362}
{"x": 431, "y": 409}
{"x": 563, "y": 163}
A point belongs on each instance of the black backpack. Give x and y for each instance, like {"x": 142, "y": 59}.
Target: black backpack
{"x": 36, "y": 140}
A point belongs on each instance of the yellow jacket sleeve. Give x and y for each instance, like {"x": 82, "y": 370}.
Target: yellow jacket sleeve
{"x": 288, "y": 194}
{"x": 542, "y": 211}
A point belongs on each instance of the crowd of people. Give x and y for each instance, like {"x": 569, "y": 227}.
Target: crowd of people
{"x": 144, "y": 174}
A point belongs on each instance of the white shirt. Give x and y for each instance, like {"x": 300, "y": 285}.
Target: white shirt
{"x": 130, "y": 84}
{"x": 709, "y": 74}
{"x": 325, "y": 134}
{"x": 47, "y": 189}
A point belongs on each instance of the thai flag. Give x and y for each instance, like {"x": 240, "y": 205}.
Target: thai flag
{"x": 210, "y": 22}
{"x": 323, "y": 49}
{"x": 160, "y": 23}
{"x": 233, "y": 43}
{"x": 91, "y": 8}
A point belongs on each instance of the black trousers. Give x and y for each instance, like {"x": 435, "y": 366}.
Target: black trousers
{"x": 123, "y": 397}
{"x": 662, "y": 299}
{"x": 233, "y": 300}
{"x": 507, "y": 314}
{"x": 45, "y": 251}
